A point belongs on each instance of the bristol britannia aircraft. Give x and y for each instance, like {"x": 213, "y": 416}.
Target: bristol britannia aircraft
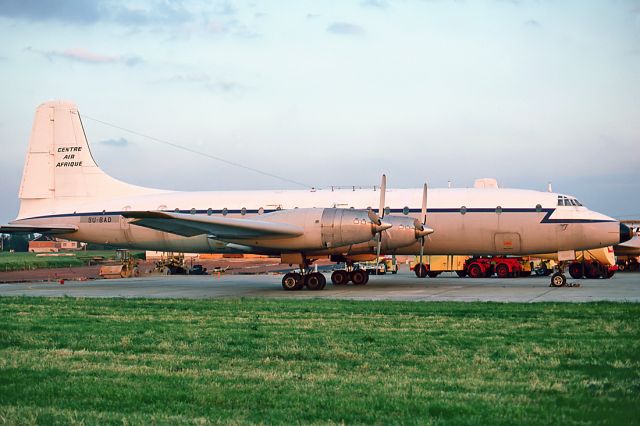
{"x": 64, "y": 192}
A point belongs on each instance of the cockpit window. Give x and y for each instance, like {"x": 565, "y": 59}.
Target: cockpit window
{"x": 566, "y": 201}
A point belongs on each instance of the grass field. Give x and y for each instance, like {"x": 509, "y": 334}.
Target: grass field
{"x": 23, "y": 261}
{"x": 316, "y": 361}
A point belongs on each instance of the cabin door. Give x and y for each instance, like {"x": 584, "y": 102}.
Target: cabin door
{"x": 507, "y": 242}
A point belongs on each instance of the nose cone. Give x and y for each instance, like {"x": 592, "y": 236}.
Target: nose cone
{"x": 625, "y": 233}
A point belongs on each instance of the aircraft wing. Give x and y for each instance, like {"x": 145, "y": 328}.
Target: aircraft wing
{"x": 188, "y": 225}
{"x": 31, "y": 229}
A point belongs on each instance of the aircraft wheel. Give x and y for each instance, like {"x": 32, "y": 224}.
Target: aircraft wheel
{"x": 609, "y": 274}
{"x": 359, "y": 277}
{"x": 420, "y": 270}
{"x": 502, "y": 271}
{"x": 315, "y": 281}
{"x": 575, "y": 270}
{"x": 292, "y": 281}
{"x": 340, "y": 277}
{"x": 558, "y": 279}
{"x": 475, "y": 271}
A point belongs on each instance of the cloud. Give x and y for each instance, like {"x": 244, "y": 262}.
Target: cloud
{"x": 119, "y": 143}
{"x": 156, "y": 12}
{"x": 87, "y": 57}
{"x": 345, "y": 28}
{"x": 205, "y": 81}
{"x": 69, "y": 11}
{"x": 532, "y": 23}
{"x": 380, "y": 4}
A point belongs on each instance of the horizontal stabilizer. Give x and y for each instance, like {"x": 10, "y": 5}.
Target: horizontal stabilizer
{"x": 31, "y": 229}
{"x": 188, "y": 225}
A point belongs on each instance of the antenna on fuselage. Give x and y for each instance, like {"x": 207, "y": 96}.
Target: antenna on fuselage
{"x": 549, "y": 189}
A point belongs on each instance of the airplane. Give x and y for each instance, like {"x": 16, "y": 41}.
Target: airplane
{"x": 64, "y": 192}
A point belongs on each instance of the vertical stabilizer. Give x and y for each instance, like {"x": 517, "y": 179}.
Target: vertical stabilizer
{"x": 59, "y": 170}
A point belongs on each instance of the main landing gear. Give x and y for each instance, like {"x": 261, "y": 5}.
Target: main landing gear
{"x": 305, "y": 278}
{"x": 343, "y": 276}
{"x": 296, "y": 281}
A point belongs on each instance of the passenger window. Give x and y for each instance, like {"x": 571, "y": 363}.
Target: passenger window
{"x": 499, "y": 210}
{"x": 243, "y": 211}
{"x": 387, "y": 210}
{"x": 538, "y": 208}
{"x": 261, "y": 210}
{"x": 463, "y": 210}
{"x": 193, "y": 211}
{"x": 225, "y": 211}
{"x": 209, "y": 211}
{"x": 405, "y": 210}
{"x": 177, "y": 210}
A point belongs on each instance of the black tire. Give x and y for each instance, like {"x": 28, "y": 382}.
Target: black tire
{"x": 420, "y": 270}
{"x": 609, "y": 274}
{"x": 433, "y": 274}
{"x": 315, "y": 281}
{"x": 502, "y": 271}
{"x": 359, "y": 277}
{"x": 592, "y": 271}
{"x": 462, "y": 273}
{"x": 292, "y": 281}
{"x": 558, "y": 280}
{"x": 475, "y": 271}
{"x": 575, "y": 270}
{"x": 340, "y": 277}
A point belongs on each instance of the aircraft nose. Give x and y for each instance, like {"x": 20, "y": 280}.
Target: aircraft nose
{"x": 625, "y": 233}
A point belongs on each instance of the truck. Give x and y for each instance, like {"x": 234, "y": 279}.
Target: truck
{"x": 474, "y": 266}
{"x": 383, "y": 266}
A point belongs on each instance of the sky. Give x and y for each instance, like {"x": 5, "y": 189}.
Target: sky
{"x": 335, "y": 92}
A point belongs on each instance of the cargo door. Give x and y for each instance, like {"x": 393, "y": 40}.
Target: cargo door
{"x": 507, "y": 242}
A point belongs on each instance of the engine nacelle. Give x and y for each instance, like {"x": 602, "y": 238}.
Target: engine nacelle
{"x": 401, "y": 234}
{"x": 321, "y": 229}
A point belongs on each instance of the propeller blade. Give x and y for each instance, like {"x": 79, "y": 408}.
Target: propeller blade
{"x": 373, "y": 217}
{"x": 379, "y": 237}
{"x": 383, "y": 190}
{"x": 423, "y": 212}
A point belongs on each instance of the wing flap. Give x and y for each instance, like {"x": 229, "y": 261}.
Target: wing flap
{"x": 188, "y": 225}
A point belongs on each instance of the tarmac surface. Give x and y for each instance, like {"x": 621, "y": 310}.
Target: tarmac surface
{"x": 403, "y": 286}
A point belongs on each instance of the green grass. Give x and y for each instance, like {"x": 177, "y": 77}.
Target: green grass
{"x": 23, "y": 261}
{"x": 243, "y": 361}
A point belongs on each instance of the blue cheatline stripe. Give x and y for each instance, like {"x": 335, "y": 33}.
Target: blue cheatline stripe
{"x": 546, "y": 219}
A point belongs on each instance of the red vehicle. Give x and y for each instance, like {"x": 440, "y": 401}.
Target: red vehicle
{"x": 503, "y": 267}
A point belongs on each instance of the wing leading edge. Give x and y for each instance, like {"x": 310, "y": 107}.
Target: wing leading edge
{"x": 31, "y": 229}
{"x": 188, "y": 225}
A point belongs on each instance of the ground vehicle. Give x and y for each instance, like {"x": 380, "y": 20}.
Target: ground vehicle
{"x": 476, "y": 267}
{"x": 197, "y": 270}
{"x": 382, "y": 267}
{"x": 438, "y": 264}
{"x": 171, "y": 264}
{"x": 126, "y": 266}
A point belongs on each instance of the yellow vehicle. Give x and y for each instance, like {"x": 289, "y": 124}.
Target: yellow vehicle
{"x": 383, "y": 266}
{"x": 126, "y": 267}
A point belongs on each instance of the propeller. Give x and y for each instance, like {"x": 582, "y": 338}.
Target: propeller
{"x": 379, "y": 217}
{"x": 420, "y": 224}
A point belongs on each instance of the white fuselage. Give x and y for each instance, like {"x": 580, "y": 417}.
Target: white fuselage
{"x": 466, "y": 221}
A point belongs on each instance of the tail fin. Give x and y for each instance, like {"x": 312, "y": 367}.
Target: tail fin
{"x": 59, "y": 172}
